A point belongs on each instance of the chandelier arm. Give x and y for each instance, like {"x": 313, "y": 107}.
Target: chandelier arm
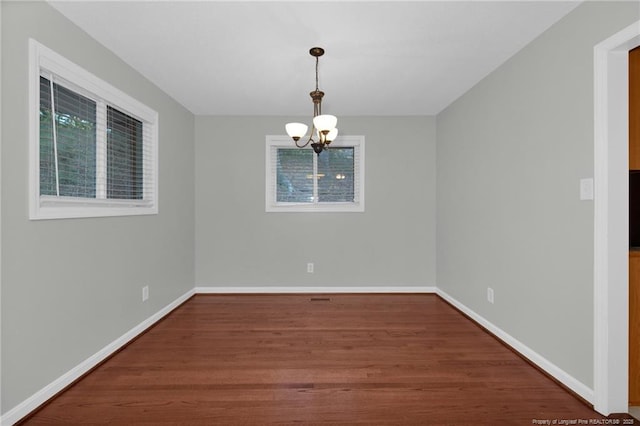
{"x": 303, "y": 145}
{"x": 313, "y": 128}
{"x": 310, "y": 140}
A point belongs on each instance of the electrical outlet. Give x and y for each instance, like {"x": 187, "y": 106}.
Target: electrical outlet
{"x": 310, "y": 268}
{"x": 490, "y": 294}
{"x": 145, "y": 293}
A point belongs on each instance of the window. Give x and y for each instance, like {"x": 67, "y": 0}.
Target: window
{"x": 93, "y": 149}
{"x": 299, "y": 180}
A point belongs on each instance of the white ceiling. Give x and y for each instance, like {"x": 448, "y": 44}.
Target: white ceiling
{"x": 251, "y": 58}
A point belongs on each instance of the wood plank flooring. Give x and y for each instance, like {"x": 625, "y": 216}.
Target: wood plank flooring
{"x": 339, "y": 359}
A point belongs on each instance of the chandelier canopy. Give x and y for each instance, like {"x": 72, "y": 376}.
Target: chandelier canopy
{"x": 323, "y": 128}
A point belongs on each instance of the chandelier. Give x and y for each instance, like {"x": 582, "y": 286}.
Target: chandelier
{"x": 323, "y": 129}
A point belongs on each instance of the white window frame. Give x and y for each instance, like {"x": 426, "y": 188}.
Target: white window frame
{"x": 271, "y": 205}
{"x": 45, "y": 62}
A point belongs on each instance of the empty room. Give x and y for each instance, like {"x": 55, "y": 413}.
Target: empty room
{"x": 338, "y": 212}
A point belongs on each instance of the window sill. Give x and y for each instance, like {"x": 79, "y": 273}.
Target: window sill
{"x": 69, "y": 208}
{"x": 315, "y": 207}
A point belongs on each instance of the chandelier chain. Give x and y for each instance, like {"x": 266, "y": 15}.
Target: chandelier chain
{"x": 317, "y": 60}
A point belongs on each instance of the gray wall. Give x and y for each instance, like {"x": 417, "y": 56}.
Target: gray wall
{"x": 511, "y": 153}
{"x": 392, "y": 243}
{"x": 70, "y": 287}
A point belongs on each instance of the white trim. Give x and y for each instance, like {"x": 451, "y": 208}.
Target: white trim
{"x": 34, "y": 129}
{"x": 611, "y": 295}
{"x": 24, "y": 408}
{"x": 83, "y": 80}
{"x": 562, "y": 376}
{"x": 40, "y": 397}
{"x": 271, "y": 205}
{"x": 0, "y": 208}
{"x": 314, "y": 289}
{"x": 50, "y": 390}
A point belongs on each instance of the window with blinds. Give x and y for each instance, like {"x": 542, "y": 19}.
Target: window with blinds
{"x": 67, "y": 142}
{"x": 125, "y": 171}
{"x": 298, "y": 180}
{"x": 93, "y": 148}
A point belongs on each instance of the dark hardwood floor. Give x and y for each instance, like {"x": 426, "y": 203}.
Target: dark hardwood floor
{"x": 338, "y": 359}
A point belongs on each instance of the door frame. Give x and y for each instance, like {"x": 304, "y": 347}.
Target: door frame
{"x": 611, "y": 220}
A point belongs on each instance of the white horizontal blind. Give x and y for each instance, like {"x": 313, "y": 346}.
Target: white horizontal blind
{"x": 336, "y": 183}
{"x": 90, "y": 149}
{"x": 67, "y": 142}
{"x": 294, "y": 175}
{"x": 125, "y": 156}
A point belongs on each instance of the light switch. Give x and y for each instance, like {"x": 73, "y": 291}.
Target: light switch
{"x": 586, "y": 189}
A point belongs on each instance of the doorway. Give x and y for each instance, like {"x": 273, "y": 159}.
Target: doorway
{"x": 611, "y": 220}
{"x": 634, "y": 232}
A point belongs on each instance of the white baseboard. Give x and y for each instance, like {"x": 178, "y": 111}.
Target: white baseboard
{"x": 556, "y": 372}
{"x": 43, "y": 395}
{"x": 317, "y": 289}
